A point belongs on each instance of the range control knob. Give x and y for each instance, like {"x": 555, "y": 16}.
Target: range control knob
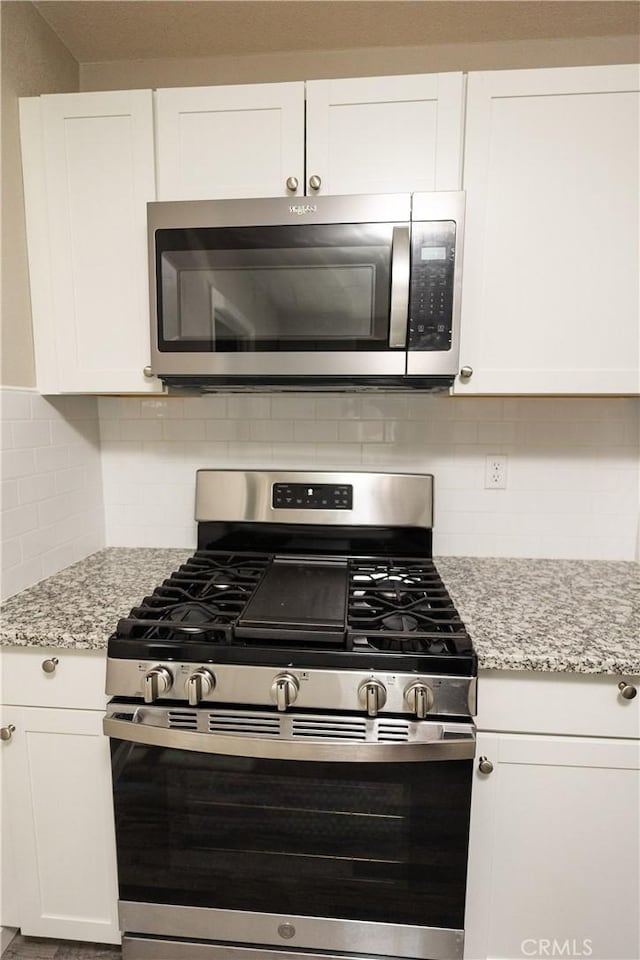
{"x": 284, "y": 690}
{"x": 372, "y": 696}
{"x": 419, "y": 696}
{"x": 156, "y": 683}
{"x": 199, "y": 686}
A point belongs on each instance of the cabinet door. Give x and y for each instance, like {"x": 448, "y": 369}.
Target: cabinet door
{"x": 385, "y": 134}
{"x": 60, "y": 817}
{"x": 89, "y": 171}
{"x": 554, "y": 852}
{"x": 550, "y": 288}
{"x": 230, "y": 141}
{"x": 10, "y": 863}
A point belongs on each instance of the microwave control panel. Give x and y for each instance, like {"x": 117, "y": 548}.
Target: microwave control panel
{"x": 433, "y": 253}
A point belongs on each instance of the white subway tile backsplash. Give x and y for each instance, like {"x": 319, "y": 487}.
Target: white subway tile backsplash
{"x": 569, "y": 460}
{"x": 19, "y": 520}
{"x": 39, "y": 486}
{"x": 17, "y": 463}
{"x": 294, "y": 407}
{"x": 53, "y": 512}
{"x": 11, "y": 552}
{"x": 9, "y": 494}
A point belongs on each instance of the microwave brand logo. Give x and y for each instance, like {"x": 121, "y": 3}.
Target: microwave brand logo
{"x": 302, "y": 208}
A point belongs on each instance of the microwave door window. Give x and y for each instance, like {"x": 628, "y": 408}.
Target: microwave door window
{"x": 316, "y": 296}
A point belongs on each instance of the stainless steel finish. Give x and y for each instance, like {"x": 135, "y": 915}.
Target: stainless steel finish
{"x": 485, "y": 765}
{"x": 320, "y": 363}
{"x": 627, "y": 690}
{"x": 372, "y": 695}
{"x": 441, "y": 206}
{"x": 148, "y": 372}
{"x": 274, "y": 211}
{"x": 141, "y": 948}
{"x": 315, "y": 182}
{"x": 301, "y": 738}
{"x": 7, "y": 732}
{"x": 466, "y": 373}
{"x": 284, "y": 690}
{"x": 419, "y": 696}
{"x": 49, "y": 666}
{"x": 394, "y": 499}
{"x": 400, "y": 266}
{"x": 292, "y": 184}
{"x": 199, "y": 685}
{"x": 312, "y": 933}
{"x": 319, "y": 689}
{"x": 156, "y": 682}
{"x": 383, "y": 208}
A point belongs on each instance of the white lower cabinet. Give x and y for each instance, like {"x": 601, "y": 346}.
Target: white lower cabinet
{"x": 59, "y": 876}
{"x": 554, "y": 860}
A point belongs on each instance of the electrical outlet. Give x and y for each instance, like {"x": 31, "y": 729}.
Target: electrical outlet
{"x": 495, "y": 473}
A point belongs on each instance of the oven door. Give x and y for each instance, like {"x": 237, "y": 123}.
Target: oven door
{"x": 275, "y": 288}
{"x": 316, "y": 843}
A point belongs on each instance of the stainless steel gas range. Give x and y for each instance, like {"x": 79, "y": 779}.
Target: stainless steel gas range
{"x": 291, "y": 730}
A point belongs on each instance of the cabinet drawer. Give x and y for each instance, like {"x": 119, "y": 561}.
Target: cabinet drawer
{"x": 77, "y": 680}
{"x": 557, "y": 703}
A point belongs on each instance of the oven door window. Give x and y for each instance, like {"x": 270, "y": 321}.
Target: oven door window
{"x": 299, "y": 287}
{"x": 362, "y": 841}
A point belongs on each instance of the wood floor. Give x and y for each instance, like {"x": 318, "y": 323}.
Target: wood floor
{"x": 35, "y": 948}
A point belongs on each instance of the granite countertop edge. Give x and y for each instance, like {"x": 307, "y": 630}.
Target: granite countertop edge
{"x": 485, "y": 591}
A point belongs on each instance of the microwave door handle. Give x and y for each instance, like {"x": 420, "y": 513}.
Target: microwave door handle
{"x": 400, "y": 262}
{"x": 455, "y": 747}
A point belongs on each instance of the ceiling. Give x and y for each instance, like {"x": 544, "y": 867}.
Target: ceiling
{"x": 98, "y": 30}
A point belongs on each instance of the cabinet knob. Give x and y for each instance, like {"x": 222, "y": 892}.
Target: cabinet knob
{"x": 292, "y": 184}
{"x": 485, "y": 765}
{"x": 466, "y": 373}
{"x": 7, "y": 732}
{"x": 315, "y": 182}
{"x": 49, "y": 666}
{"x": 627, "y": 690}
{"x": 148, "y": 372}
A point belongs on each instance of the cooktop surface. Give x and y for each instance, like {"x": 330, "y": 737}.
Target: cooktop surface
{"x": 378, "y": 612}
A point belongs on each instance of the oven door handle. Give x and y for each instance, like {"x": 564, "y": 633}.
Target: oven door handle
{"x": 400, "y": 264}
{"x": 448, "y": 746}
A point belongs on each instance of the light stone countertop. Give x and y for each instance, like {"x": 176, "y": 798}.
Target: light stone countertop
{"x": 577, "y": 616}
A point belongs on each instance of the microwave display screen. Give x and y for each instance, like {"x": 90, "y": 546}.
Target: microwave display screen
{"x": 433, "y": 253}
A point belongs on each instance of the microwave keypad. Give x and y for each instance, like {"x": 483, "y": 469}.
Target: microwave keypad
{"x": 432, "y": 277}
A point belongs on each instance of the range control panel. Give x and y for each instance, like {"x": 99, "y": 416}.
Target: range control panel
{"x": 433, "y": 255}
{"x": 319, "y": 496}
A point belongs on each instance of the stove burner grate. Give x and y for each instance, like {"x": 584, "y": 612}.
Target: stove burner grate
{"x": 201, "y": 600}
{"x": 401, "y": 605}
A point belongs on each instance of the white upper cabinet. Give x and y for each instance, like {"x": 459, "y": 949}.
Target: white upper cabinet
{"x": 385, "y": 134}
{"x": 230, "y": 141}
{"x": 550, "y": 284}
{"x": 88, "y": 165}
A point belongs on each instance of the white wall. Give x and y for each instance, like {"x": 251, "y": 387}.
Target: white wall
{"x": 573, "y": 464}
{"x": 51, "y": 485}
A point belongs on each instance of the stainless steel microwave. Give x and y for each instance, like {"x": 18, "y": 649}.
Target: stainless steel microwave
{"x": 324, "y": 293}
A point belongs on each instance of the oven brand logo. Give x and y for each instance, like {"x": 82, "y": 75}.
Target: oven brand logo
{"x": 556, "y": 948}
{"x": 302, "y": 208}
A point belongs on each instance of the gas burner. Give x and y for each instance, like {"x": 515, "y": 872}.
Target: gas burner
{"x": 399, "y": 622}
{"x": 409, "y": 644}
{"x": 193, "y": 613}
